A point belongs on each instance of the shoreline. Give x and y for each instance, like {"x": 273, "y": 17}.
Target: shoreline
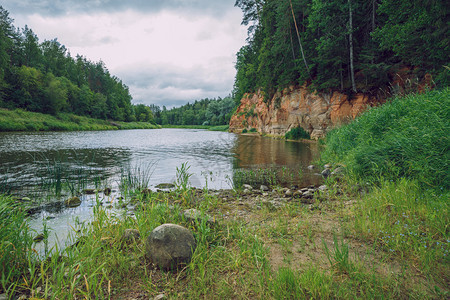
{"x": 24, "y": 121}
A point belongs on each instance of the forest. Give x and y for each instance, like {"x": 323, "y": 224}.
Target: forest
{"x": 346, "y": 45}
{"x": 206, "y": 111}
{"x": 44, "y": 77}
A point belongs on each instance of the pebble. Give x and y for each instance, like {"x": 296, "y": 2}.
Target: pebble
{"x": 247, "y": 187}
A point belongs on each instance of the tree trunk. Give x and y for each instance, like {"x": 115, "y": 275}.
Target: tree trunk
{"x": 352, "y": 71}
{"x": 373, "y": 14}
{"x": 299, "y": 41}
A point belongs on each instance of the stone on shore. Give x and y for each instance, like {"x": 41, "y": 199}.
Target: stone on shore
{"x": 73, "y": 202}
{"x": 325, "y": 173}
{"x": 170, "y": 246}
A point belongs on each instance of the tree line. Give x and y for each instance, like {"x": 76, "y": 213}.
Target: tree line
{"x": 216, "y": 111}
{"x": 44, "y": 77}
{"x": 347, "y": 45}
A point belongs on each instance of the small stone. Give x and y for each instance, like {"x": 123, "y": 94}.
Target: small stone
{"x": 39, "y": 238}
{"x": 311, "y": 167}
{"x": 304, "y": 190}
{"x": 323, "y": 188}
{"x": 327, "y": 166}
{"x": 288, "y": 193}
{"x": 298, "y": 193}
{"x": 312, "y": 190}
{"x": 89, "y": 191}
{"x": 3, "y": 297}
{"x": 73, "y": 202}
{"x": 130, "y": 235}
{"x": 325, "y": 173}
{"x": 247, "y": 187}
{"x": 107, "y": 191}
{"x": 307, "y": 195}
{"x": 265, "y": 194}
{"x": 264, "y": 188}
{"x": 160, "y": 297}
{"x": 338, "y": 171}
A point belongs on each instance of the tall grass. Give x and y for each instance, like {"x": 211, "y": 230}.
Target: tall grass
{"x": 15, "y": 244}
{"x": 405, "y": 138}
{"x": 272, "y": 176}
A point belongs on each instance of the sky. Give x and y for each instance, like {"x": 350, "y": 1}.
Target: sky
{"x": 168, "y": 52}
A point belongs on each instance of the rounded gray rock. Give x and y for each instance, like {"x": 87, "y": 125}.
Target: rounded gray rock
{"x": 170, "y": 246}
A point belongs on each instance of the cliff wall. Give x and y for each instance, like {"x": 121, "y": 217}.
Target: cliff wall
{"x": 316, "y": 112}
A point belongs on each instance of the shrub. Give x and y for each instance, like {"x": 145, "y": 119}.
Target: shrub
{"x": 297, "y": 133}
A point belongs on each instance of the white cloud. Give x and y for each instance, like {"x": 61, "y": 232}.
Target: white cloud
{"x": 179, "y": 55}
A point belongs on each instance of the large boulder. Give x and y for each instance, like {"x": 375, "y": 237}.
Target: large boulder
{"x": 170, "y": 246}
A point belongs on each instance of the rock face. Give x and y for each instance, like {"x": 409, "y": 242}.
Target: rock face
{"x": 297, "y": 106}
{"x": 170, "y": 246}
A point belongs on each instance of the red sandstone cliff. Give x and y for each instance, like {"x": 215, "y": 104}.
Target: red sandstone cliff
{"x": 315, "y": 112}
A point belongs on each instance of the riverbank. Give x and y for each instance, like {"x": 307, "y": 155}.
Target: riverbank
{"x": 20, "y": 120}
{"x": 208, "y": 127}
{"x": 253, "y": 242}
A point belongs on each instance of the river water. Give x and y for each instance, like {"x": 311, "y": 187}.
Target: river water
{"x": 94, "y": 159}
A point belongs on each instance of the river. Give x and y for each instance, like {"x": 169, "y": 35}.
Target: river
{"x": 60, "y": 161}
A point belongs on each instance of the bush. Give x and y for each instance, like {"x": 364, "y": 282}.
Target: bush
{"x": 297, "y": 133}
{"x": 245, "y": 130}
{"x": 405, "y": 138}
{"x": 252, "y": 130}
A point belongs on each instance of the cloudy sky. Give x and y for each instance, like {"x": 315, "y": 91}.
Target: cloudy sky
{"x": 168, "y": 52}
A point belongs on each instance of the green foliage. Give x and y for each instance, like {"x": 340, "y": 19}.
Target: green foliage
{"x": 297, "y": 133}
{"x": 43, "y": 77}
{"x": 208, "y": 112}
{"x": 405, "y": 138}
{"x": 385, "y": 34}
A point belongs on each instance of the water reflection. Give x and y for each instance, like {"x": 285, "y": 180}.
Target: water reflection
{"x": 29, "y": 159}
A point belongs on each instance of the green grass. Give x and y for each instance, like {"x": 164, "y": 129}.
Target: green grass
{"x": 20, "y": 120}
{"x": 219, "y": 128}
{"x": 407, "y": 137}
